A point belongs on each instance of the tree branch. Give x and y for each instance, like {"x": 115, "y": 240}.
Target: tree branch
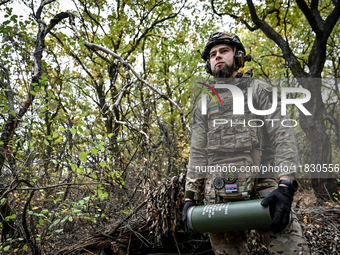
{"x": 42, "y": 5}
{"x": 136, "y": 42}
{"x": 317, "y": 25}
{"x": 332, "y": 19}
{"x": 214, "y": 10}
{"x": 111, "y": 232}
{"x": 234, "y": 17}
{"x": 8, "y": 189}
{"x": 317, "y": 56}
{"x": 316, "y": 13}
{"x": 8, "y": 89}
{"x": 4, "y": 2}
{"x": 58, "y": 185}
{"x": 127, "y": 65}
{"x": 293, "y": 62}
{"x": 24, "y": 223}
{"x": 12, "y": 121}
{"x": 57, "y": 18}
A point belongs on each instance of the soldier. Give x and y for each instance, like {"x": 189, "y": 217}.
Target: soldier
{"x": 241, "y": 145}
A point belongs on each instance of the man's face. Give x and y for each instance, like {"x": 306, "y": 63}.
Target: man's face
{"x": 222, "y": 61}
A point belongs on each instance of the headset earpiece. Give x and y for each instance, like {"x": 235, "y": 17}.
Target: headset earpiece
{"x": 239, "y": 58}
{"x": 208, "y": 67}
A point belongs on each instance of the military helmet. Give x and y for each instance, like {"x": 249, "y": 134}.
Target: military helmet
{"x": 222, "y": 38}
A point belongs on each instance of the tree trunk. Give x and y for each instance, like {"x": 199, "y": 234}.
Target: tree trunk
{"x": 320, "y": 146}
{"x": 313, "y": 126}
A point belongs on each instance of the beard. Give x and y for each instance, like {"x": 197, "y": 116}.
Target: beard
{"x": 224, "y": 71}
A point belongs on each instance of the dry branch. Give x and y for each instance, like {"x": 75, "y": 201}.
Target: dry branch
{"x": 4, "y": 2}
{"x": 57, "y": 185}
{"x": 127, "y": 65}
{"x": 13, "y": 119}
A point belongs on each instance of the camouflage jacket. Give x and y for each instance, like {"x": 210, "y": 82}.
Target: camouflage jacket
{"x": 228, "y": 144}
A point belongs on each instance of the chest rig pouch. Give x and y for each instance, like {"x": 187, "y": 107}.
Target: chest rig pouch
{"x": 231, "y": 147}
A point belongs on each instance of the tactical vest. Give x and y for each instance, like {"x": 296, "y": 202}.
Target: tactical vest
{"x": 230, "y": 147}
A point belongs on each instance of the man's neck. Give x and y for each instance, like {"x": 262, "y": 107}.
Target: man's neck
{"x": 234, "y": 74}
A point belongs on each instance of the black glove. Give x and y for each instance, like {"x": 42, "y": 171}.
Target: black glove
{"x": 280, "y": 202}
{"x": 187, "y": 204}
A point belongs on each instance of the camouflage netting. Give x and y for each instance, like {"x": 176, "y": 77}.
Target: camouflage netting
{"x": 155, "y": 227}
{"x": 321, "y": 225}
{"x": 166, "y": 230}
{"x": 322, "y": 229}
{"x": 164, "y": 219}
{"x": 164, "y": 209}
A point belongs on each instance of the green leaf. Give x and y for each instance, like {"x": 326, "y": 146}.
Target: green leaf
{"x": 102, "y": 148}
{"x": 73, "y": 167}
{"x": 44, "y": 211}
{"x": 12, "y": 217}
{"x": 94, "y": 151}
{"x": 41, "y": 221}
{"x": 59, "y": 230}
{"x": 99, "y": 137}
{"x": 25, "y": 247}
{"x": 65, "y": 218}
{"x": 83, "y": 156}
{"x": 54, "y": 223}
{"x": 13, "y": 113}
{"x": 46, "y": 142}
{"x": 94, "y": 176}
{"x": 3, "y": 201}
{"x": 103, "y": 163}
{"x": 76, "y": 210}
{"x": 7, "y": 248}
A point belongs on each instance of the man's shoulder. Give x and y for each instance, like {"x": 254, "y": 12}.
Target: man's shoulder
{"x": 198, "y": 107}
{"x": 199, "y": 103}
{"x": 260, "y": 86}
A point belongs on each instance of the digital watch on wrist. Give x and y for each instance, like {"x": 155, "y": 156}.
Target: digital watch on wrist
{"x": 293, "y": 184}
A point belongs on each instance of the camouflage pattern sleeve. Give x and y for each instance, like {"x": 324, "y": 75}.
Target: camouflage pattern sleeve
{"x": 281, "y": 137}
{"x": 198, "y": 155}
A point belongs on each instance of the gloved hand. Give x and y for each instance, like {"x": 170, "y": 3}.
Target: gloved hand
{"x": 187, "y": 204}
{"x": 280, "y": 202}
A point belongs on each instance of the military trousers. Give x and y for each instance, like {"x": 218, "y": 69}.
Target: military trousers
{"x": 290, "y": 241}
